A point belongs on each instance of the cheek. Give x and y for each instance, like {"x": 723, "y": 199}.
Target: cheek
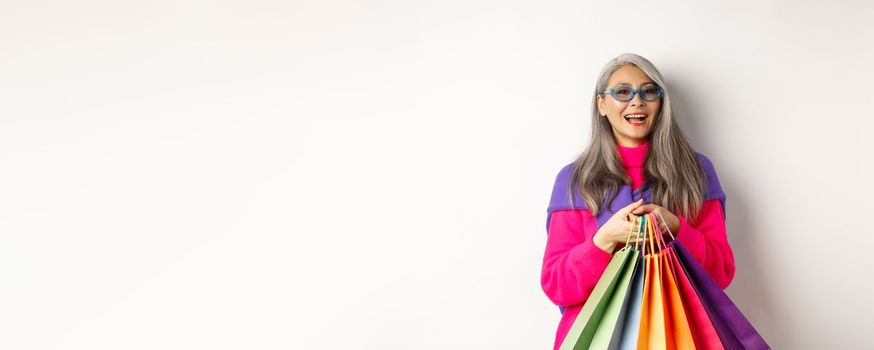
{"x": 655, "y": 109}
{"x": 615, "y": 109}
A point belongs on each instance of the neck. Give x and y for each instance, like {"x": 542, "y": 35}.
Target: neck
{"x": 631, "y": 142}
{"x": 633, "y": 156}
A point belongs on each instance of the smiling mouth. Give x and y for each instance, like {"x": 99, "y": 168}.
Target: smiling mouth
{"x": 636, "y": 119}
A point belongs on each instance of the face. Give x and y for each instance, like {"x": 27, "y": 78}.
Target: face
{"x": 629, "y": 133}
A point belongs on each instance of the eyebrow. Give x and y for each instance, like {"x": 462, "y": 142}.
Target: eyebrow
{"x": 645, "y": 83}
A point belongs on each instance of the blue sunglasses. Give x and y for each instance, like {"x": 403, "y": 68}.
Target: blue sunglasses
{"x": 626, "y": 93}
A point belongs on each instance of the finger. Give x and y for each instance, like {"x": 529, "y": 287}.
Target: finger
{"x": 662, "y": 219}
{"x": 646, "y": 209}
{"x": 643, "y": 209}
{"x": 629, "y": 208}
{"x": 640, "y": 227}
{"x": 631, "y": 217}
{"x": 634, "y": 204}
{"x": 667, "y": 229}
{"x": 638, "y": 224}
{"x": 634, "y": 240}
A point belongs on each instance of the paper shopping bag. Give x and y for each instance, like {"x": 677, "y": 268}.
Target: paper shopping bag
{"x": 583, "y": 329}
{"x": 626, "y": 331}
{"x": 678, "y": 330}
{"x": 734, "y": 330}
{"x": 611, "y": 319}
{"x": 703, "y": 332}
{"x": 652, "y": 332}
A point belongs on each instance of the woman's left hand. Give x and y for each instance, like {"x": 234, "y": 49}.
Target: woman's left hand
{"x": 672, "y": 221}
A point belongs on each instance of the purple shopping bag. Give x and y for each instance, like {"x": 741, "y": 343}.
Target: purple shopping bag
{"x": 733, "y": 328}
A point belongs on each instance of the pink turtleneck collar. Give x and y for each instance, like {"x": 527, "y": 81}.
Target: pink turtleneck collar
{"x": 632, "y": 160}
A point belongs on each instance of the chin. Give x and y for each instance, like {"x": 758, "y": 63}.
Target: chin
{"x": 638, "y": 134}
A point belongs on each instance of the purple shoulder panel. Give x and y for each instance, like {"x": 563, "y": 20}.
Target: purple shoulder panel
{"x": 559, "y": 198}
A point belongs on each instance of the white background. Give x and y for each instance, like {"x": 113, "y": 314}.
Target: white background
{"x": 375, "y": 175}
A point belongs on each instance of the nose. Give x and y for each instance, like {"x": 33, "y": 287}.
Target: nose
{"x": 637, "y": 99}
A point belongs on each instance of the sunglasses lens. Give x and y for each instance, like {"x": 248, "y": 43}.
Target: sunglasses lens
{"x": 622, "y": 93}
{"x": 650, "y": 93}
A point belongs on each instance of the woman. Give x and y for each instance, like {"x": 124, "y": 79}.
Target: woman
{"x": 638, "y": 161}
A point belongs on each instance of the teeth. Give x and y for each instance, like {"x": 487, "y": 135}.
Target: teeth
{"x": 635, "y": 116}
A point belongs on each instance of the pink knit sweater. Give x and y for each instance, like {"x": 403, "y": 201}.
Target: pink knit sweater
{"x": 572, "y": 263}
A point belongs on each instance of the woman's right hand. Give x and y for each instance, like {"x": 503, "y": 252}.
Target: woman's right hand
{"x": 616, "y": 229}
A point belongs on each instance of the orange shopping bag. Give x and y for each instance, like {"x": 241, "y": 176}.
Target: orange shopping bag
{"x": 678, "y": 332}
{"x": 652, "y": 333}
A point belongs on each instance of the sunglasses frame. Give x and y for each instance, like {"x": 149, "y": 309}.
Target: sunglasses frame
{"x": 634, "y": 92}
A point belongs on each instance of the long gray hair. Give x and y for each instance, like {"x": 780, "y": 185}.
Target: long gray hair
{"x": 677, "y": 181}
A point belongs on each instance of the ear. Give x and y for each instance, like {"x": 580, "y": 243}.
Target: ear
{"x": 602, "y": 110}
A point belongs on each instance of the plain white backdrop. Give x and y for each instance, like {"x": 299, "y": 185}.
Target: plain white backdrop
{"x": 375, "y": 174}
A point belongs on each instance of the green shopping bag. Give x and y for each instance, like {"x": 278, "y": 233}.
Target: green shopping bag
{"x": 626, "y": 331}
{"x": 583, "y": 330}
{"x": 611, "y": 317}
{"x": 597, "y": 319}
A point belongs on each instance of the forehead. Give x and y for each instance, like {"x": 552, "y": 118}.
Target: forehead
{"x": 629, "y": 75}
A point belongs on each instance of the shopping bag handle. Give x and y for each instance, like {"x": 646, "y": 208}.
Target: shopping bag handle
{"x": 653, "y": 232}
{"x": 666, "y": 226}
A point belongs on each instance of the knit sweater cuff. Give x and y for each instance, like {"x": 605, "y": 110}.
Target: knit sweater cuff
{"x": 589, "y": 255}
{"x": 690, "y": 237}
